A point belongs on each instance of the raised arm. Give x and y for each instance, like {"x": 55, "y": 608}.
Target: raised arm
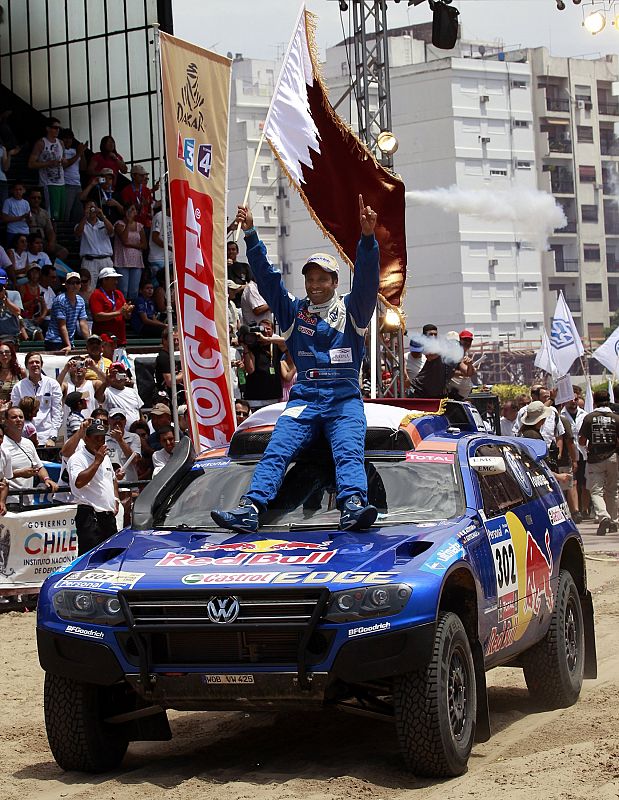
{"x": 361, "y": 301}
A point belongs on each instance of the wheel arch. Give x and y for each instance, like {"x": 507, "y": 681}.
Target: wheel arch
{"x": 573, "y": 560}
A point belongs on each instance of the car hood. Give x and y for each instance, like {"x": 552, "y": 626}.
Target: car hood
{"x": 165, "y": 559}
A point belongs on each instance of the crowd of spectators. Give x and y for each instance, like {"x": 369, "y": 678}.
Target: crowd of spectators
{"x": 82, "y": 250}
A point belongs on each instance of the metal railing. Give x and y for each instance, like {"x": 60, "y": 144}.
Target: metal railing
{"x": 559, "y": 146}
{"x": 574, "y": 304}
{"x": 611, "y": 109}
{"x": 562, "y": 185}
{"x": 567, "y": 265}
{"x": 557, "y": 104}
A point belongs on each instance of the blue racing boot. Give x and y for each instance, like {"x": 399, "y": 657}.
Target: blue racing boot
{"x": 355, "y": 516}
{"x": 244, "y": 518}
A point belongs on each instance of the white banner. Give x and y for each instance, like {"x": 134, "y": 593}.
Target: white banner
{"x": 33, "y": 544}
{"x": 565, "y": 390}
{"x": 564, "y": 339}
{"x": 608, "y": 353}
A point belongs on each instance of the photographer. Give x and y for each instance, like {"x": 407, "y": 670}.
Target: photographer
{"x": 9, "y": 310}
{"x": 95, "y": 233}
{"x": 117, "y": 394}
{"x": 262, "y": 353}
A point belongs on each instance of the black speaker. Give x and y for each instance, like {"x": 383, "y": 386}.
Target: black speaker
{"x": 444, "y": 25}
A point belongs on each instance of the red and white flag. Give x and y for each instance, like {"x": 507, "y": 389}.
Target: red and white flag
{"x": 329, "y": 165}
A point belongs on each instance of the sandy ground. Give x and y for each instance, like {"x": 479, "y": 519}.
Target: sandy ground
{"x": 571, "y": 753}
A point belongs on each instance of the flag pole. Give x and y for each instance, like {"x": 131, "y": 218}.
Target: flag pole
{"x": 251, "y": 177}
{"x": 164, "y": 235}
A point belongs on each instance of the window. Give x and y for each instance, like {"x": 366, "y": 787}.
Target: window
{"x": 283, "y": 231}
{"x": 591, "y": 252}
{"x": 595, "y": 330}
{"x": 589, "y": 213}
{"x": 530, "y": 286}
{"x": 267, "y": 214}
{"x": 286, "y": 268}
{"x": 523, "y": 165}
{"x": 472, "y": 168}
{"x": 499, "y": 493}
{"x": 264, "y": 173}
{"x": 584, "y": 133}
{"x": 521, "y": 123}
{"x": 593, "y": 291}
{"x": 586, "y": 174}
{"x": 531, "y": 326}
{"x": 498, "y": 173}
{"x": 519, "y": 84}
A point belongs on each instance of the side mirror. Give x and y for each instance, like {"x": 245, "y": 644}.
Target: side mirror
{"x": 488, "y": 465}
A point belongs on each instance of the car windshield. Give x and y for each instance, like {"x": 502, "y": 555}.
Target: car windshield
{"x": 403, "y": 492}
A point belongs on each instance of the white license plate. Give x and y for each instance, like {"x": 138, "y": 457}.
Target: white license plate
{"x": 226, "y": 679}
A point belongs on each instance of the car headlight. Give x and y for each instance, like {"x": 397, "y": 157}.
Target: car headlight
{"x": 375, "y": 601}
{"x": 101, "y": 609}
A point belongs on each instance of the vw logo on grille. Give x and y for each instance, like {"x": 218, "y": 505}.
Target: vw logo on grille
{"x": 223, "y": 609}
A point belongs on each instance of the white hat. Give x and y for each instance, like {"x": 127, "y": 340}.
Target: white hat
{"x": 324, "y": 261}
{"x": 109, "y": 272}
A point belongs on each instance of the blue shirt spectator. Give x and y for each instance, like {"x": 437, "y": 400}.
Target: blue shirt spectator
{"x": 16, "y": 212}
{"x": 67, "y": 314}
{"x": 144, "y": 318}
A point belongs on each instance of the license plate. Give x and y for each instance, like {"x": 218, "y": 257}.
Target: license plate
{"x": 227, "y": 679}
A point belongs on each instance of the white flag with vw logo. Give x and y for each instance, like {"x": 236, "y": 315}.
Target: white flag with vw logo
{"x": 564, "y": 339}
{"x": 608, "y": 353}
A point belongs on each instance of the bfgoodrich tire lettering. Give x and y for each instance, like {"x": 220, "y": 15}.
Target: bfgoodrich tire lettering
{"x": 77, "y": 735}
{"x": 435, "y": 707}
{"x": 554, "y": 667}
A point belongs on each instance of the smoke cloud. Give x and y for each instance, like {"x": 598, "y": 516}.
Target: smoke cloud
{"x": 450, "y": 350}
{"x": 533, "y": 214}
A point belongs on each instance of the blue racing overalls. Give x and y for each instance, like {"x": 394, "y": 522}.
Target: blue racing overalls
{"x": 327, "y": 346}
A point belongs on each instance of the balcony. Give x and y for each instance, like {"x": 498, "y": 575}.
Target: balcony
{"x": 610, "y": 109}
{"x": 571, "y": 227}
{"x": 573, "y": 304}
{"x": 561, "y": 146}
{"x": 561, "y": 185}
{"x": 557, "y": 104}
{"x": 609, "y": 146}
{"x": 612, "y": 265}
{"x": 611, "y": 226}
{"x": 569, "y": 265}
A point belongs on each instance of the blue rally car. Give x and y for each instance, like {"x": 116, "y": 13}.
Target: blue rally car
{"x": 473, "y": 563}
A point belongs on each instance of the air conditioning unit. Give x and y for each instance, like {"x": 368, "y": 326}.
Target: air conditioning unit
{"x": 484, "y": 139}
{"x": 494, "y": 262}
{"x": 495, "y": 303}
{"x": 484, "y": 98}
{"x": 581, "y": 105}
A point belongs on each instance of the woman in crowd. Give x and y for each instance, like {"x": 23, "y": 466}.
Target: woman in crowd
{"x": 19, "y": 259}
{"x": 35, "y": 308}
{"x": 107, "y": 157}
{"x": 10, "y": 372}
{"x": 129, "y": 243}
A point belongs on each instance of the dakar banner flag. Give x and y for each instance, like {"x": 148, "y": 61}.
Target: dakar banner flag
{"x": 196, "y": 88}
{"x": 329, "y": 166}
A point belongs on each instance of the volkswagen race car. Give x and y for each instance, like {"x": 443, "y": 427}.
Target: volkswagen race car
{"x": 473, "y": 563}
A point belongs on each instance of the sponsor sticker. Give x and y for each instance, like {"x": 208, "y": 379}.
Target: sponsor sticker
{"x": 505, "y": 567}
{"x": 430, "y": 458}
{"x": 189, "y": 147}
{"x": 293, "y": 411}
{"x": 307, "y": 331}
{"x": 245, "y": 559}
{"x": 451, "y": 551}
{"x": 556, "y": 515}
{"x": 205, "y": 159}
{"x": 215, "y": 463}
{"x": 100, "y": 579}
{"x": 312, "y": 578}
{"x": 363, "y": 630}
{"x": 519, "y": 470}
{"x": 266, "y": 546}
{"x": 305, "y": 316}
{"x": 226, "y": 680}
{"x": 341, "y": 355}
{"x": 540, "y": 482}
{"x": 304, "y": 353}
{"x": 79, "y": 631}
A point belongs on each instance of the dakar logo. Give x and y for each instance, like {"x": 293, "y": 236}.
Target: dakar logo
{"x": 561, "y": 334}
{"x": 188, "y": 111}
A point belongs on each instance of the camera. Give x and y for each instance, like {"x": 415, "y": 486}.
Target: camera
{"x": 102, "y": 179}
{"x": 247, "y": 334}
{"x": 79, "y": 364}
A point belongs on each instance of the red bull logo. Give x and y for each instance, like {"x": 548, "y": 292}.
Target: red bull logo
{"x": 246, "y": 559}
{"x": 265, "y": 546}
{"x": 539, "y": 572}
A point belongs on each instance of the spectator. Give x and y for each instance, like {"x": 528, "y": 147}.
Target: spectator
{"x": 100, "y": 190}
{"x": 139, "y": 195}
{"x": 94, "y": 348}
{"x": 10, "y": 373}
{"x": 242, "y": 410}
{"x": 10, "y": 310}
{"x": 86, "y": 288}
{"x": 163, "y": 366}
{"x": 30, "y": 406}
{"x": 552, "y": 428}
{"x": 78, "y": 381}
{"x": 48, "y": 157}
{"x": 234, "y": 312}
{"x": 288, "y": 373}
{"x": 108, "y": 306}
{"x": 568, "y": 465}
{"x": 6, "y": 473}
{"x": 261, "y": 357}
{"x": 18, "y": 257}
{"x": 108, "y": 346}
{"x": 5, "y": 165}
{"x": 183, "y": 420}
{"x": 144, "y": 319}
{"x": 40, "y": 223}
{"x": 122, "y": 444}
{"x": 67, "y": 315}
{"x": 155, "y": 248}
{"x": 415, "y": 359}
{"x": 254, "y": 308}
{"x": 145, "y": 465}
{"x": 6, "y": 264}
{"x": 599, "y": 432}
{"x": 509, "y": 414}
{"x": 36, "y": 254}
{"x": 464, "y": 378}
{"x": 49, "y": 417}
{"x": 574, "y": 414}
{"x": 238, "y": 271}
{"x": 74, "y": 162}
{"x": 25, "y": 462}
{"x": 166, "y": 448}
{"x": 49, "y": 281}
{"x": 16, "y": 213}
{"x": 93, "y": 484}
{"x": 160, "y": 417}
{"x": 95, "y": 232}
{"x": 77, "y": 403}
{"x": 433, "y": 378}
{"x": 33, "y": 301}
{"x": 129, "y": 242}
{"x": 116, "y": 393}
{"x": 107, "y": 157}
{"x": 523, "y": 400}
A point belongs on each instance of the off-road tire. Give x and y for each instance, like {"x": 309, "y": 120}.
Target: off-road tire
{"x": 435, "y": 708}
{"x": 78, "y": 737}
{"x": 554, "y": 667}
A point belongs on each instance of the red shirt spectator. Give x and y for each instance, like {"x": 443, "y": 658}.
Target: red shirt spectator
{"x": 107, "y": 157}
{"x": 138, "y": 194}
{"x": 109, "y": 308}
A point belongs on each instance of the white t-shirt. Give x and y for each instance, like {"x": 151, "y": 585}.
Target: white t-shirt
{"x": 160, "y": 459}
{"x": 6, "y": 465}
{"x": 52, "y": 151}
{"x": 22, "y": 455}
{"x": 250, "y": 299}
{"x": 88, "y": 391}
{"x": 507, "y": 427}
{"x": 72, "y": 173}
{"x": 98, "y": 493}
{"x": 95, "y": 240}
{"x": 49, "y": 295}
{"x": 42, "y": 259}
{"x": 414, "y": 365}
{"x": 127, "y": 399}
{"x": 155, "y": 253}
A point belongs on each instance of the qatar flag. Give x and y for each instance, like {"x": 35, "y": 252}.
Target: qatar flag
{"x": 329, "y": 165}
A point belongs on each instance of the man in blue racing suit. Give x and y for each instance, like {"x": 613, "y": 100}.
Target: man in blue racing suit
{"x": 325, "y": 337}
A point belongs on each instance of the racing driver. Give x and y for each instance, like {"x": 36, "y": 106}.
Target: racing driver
{"x": 325, "y": 336}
